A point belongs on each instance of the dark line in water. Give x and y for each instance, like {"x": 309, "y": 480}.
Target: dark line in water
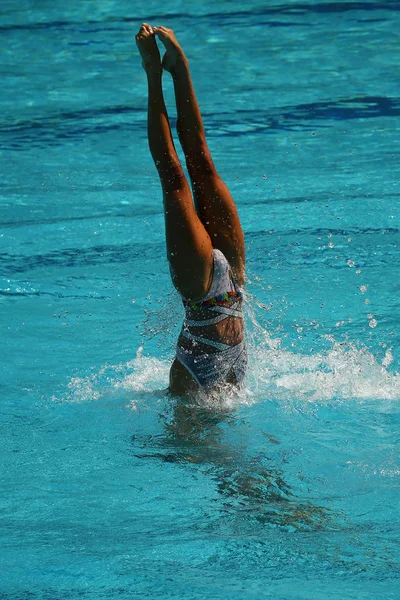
{"x": 129, "y": 253}
{"x": 376, "y": 106}
{"x": 27, "y": 222}
{"x": 76, "y": 115}
{"x": 134, "y": 211}
{"x": 290, "y": 117}
{"x": 60, "y": 128}
{"x": 76, "y": 257}
{"x": 53, "y": 294}
{"x": 324, "y": 232}
{"x": 283, "y": 10}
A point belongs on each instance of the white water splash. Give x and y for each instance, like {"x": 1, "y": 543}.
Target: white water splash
{"x": 142, "y": 374}
{"x": 346, "y": 370}
{"x": 342, "y": 372}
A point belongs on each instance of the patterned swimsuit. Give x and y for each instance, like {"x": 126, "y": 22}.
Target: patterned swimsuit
{"x": 223, "y": 300}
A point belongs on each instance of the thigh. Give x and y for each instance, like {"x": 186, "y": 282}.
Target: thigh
{"x": 220, "y": 217}
{"x": 181, "y": 381}
{"x": 189, "y": 247}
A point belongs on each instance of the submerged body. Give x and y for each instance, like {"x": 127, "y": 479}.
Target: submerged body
{"x": 211, "y": 344}
{"x": 205, "y": 243}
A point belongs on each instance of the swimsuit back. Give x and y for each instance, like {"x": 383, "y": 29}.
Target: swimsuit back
{"x": 223, "y": 300}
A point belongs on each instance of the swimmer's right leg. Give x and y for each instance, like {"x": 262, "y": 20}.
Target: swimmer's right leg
{"x": 189, "y": 248}
{"x": 214, "y": 202}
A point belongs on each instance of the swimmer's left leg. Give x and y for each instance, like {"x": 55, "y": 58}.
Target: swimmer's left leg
{"x": 189, "y": 246}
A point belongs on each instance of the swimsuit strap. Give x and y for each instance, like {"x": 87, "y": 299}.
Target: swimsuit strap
{"x": 207, "y": 342}
{"x": 232, "y": 311}
{"x": 224, "y": 313}
{"x": 204, "y": 322}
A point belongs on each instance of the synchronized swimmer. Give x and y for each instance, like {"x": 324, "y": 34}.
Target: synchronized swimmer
{"x": 205, "y": 243}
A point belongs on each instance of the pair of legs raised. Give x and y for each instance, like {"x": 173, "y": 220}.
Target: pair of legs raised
{"x": 192, "y": 230}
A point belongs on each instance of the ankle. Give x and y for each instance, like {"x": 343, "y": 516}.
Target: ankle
{"x": 181, "y": 67}
{"x": 154, "y": 75}
{"x": 153, "y": 71}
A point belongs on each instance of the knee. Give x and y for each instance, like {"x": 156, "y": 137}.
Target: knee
{"x": 201, "y": 166}
{"x": 171, "y": 175}
{"x": 175, "y": 188}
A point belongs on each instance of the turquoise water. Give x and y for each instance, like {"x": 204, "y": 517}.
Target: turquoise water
{"x": 111, "y": 489}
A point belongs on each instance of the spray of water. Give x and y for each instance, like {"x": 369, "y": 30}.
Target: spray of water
{"x": 345, "y": 370}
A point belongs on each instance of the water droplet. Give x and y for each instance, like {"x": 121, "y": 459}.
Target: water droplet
{"x": 363, "y": 288}
{"x": 388, "y": 359}
{"x": 373, "y": 323}
{"x": 351, "y": 263}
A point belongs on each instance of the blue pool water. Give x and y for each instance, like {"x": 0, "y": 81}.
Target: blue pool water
{"x": 111, "y": 489}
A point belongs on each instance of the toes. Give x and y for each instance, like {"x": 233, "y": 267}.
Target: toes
{"x": 164, "y": 33}
{"x": 145, "y": 30}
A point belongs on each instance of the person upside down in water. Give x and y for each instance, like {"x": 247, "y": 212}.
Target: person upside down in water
{"x": 205, "y": 243}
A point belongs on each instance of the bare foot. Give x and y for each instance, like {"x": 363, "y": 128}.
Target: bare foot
{"x": 174, "y": 56}
{"x": 146, "y": 42}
